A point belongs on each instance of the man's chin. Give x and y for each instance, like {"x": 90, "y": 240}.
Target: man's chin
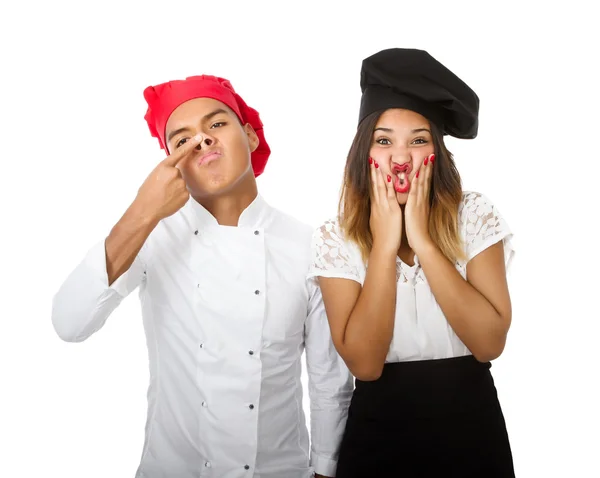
{"x": 214, "y": 187}
{"x": 218, "y": 184}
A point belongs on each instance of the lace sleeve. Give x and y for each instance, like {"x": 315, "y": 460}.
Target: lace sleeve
{"x": 483, "y": 226}
{"x": 331, "y": 256}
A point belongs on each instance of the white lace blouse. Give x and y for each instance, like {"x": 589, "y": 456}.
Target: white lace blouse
{"x": 421, "y": 331}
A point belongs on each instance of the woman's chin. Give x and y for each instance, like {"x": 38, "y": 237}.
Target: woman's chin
{"x": 402, "y": 198}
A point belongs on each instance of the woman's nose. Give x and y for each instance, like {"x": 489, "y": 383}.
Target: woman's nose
{"x": 400, "y": 157}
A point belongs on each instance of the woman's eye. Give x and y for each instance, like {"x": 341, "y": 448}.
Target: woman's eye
{"x": 420, "y": 141}
{"x": 383, "y": 141}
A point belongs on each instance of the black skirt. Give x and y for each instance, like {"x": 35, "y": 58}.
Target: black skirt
{"x": 427, "y": 419}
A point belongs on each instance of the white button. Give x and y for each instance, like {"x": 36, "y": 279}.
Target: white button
{"x": 204, "y": 404}
{"x": 207, "y": 464}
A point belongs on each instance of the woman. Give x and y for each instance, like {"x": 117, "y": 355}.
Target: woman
{"x": 413, "y": 276}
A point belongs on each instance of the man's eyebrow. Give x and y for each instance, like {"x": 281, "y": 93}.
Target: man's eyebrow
{"x": 175, "y": 133}
{"x": 214, "y": 113}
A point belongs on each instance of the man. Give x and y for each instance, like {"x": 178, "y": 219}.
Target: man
{"x": 226, "y": 306}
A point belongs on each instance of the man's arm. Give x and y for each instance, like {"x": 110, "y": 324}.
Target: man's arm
{"x": 330, "y": 386}
{"x": 114, "y": 268}
{"x": 111, "y": 270}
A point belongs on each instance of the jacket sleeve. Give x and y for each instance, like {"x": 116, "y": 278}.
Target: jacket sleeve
{"x": 330, "y": 387}
{"x": 85, "y": 300}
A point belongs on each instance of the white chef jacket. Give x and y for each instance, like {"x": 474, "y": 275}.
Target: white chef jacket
{"x": 421, "y": 331}
{"x": 227, "y": 313}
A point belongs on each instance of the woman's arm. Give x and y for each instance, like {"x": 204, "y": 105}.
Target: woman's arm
{"x": 478, "y": 309}
{"x": 362, "y": 319}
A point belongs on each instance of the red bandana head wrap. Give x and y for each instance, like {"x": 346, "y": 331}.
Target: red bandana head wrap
{"x": 164, "y": 98}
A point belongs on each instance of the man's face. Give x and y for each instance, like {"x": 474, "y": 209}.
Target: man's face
{"x": 223, "y": 158}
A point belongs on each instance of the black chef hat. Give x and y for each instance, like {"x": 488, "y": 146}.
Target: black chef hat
{"x": 413, "y": 79}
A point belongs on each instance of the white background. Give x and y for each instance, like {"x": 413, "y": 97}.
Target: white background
{"x": 75, "y": 148}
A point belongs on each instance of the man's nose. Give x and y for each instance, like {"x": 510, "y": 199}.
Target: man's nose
{"x": 207, "y": 141}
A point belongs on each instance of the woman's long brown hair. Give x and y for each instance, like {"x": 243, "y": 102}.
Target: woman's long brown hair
{"x": 444, "y": 199}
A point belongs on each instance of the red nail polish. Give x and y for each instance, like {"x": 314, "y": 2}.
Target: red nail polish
{"x": 376, "y": 165}
{"x": 370, "y": 160}
{"x": 418, "y": 173}
{"x": 432, "y": 158}
{"x": 426, "y": 161}
{"x": 389, "y": 179}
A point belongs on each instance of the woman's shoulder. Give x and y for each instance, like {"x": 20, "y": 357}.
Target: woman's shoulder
{"x": 475, "y": 206}
{"x": 481, "y": 223}
{"x": 334, "y": 255}
{"x": 472, "y": 199}
{"x": 329, "y": 232}
{"x": 330, "y": 236}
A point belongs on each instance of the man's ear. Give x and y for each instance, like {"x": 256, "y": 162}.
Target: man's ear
{"x": 253, "y": 140}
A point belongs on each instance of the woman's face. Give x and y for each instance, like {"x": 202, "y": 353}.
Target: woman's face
{"x": 401, "y": 141}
